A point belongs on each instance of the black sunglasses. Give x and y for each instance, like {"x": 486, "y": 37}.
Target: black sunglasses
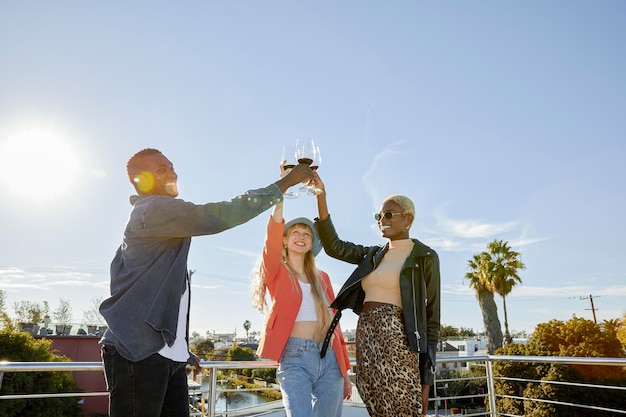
{"x": 387, "y": 215}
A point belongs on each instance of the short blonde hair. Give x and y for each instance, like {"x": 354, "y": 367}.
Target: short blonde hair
{"x": 403, "y": 201}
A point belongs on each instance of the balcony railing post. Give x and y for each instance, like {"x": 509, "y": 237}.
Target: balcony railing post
{"x": 213, "y": 388}
{"x": 491, "y": 391}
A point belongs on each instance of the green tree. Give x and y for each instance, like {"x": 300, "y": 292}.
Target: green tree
{"x": 29, "y": 312}
{"x": 22, "y": 347}
{"x": 203, "y": 349}
{"x": 621, "y": 332}
{"x": 463, "y": 382}
{"x": 5, "y": 322}
{"x": 448, "y": 331}
{"x": 504, "y": 264}
{"x": 451, "y": 331}
{"x": 265, "y": 374}
{"x": 576, "y": 337}
{"x": 479, "y": 280}
{"x": 466, "y": 332}
{"x": 238, "y": 353}
{"x": 611, "y": 327}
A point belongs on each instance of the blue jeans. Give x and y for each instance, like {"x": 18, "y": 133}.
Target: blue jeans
{"x": 311, "y": 386}
{"x": 153, "y": 387}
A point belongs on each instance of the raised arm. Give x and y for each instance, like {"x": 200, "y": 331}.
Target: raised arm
{"x": 322, "y": 206}
{"x": 333, "y": 246}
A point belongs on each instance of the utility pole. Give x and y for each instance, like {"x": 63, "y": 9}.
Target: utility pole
{"x": 593, "y": 309}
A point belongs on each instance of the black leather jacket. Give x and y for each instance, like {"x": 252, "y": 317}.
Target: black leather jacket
{"x": 419, "y": 287}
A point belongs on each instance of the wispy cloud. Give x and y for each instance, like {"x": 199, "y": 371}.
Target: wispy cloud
{"x": 449, "y": 233}
{"x": 473, "y": 228}
{"x": 369, "y": 177}
{"x": 388, "y": 151}
{"x": 468, "y": 234}
{"x": 16, "y": 278}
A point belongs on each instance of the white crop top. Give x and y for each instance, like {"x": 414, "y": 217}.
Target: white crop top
{"x": 307, "y": 307}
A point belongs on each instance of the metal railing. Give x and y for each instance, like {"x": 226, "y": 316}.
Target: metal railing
{"x": 489, "y": 397}
{"x": 492, "y": 396}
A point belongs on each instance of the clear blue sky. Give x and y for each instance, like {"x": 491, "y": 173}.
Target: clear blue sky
{"x": 501, "y": 120}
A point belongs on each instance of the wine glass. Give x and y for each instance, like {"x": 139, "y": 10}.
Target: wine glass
{"x": 305, "y": 150}
{"x": 289, "y": 157}
{"x": 305, "y": 154}
{"x": 312, "y": 189}
{"x": 308, "y": 153}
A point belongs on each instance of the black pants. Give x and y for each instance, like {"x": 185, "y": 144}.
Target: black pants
{"x": 153, "y": 387}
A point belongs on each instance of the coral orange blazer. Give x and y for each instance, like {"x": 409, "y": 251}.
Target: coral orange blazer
{"x": 286, "y": 297}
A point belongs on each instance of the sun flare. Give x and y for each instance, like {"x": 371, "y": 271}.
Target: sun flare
{"x": 38, "y": 165}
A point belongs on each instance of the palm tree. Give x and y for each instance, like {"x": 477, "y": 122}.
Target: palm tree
{"x": 611, "y": 327}
{"x": 246, "y": 326}
{"x": 503, "y": 266}
{"x": 479, "y": 281}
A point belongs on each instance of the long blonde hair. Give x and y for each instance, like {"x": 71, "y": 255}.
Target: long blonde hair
{"x": 258, "y": 287}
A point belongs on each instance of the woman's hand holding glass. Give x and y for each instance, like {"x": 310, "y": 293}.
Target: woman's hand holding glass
{"x": 317, "y": 184}
{"x": 301, "y": 173}
{"x": 307, "y": 152}
{"x": 288, "y": 161}
{"x": 313, "y": 187}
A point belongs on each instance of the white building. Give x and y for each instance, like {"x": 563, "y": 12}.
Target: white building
{"x": 458, "y": 346}
{"x": 465, "y": 346}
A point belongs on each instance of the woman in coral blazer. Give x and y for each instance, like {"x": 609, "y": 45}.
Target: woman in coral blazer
{"x": 298, "y": 318}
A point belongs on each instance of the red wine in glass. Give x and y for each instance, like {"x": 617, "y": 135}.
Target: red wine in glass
{"x": 312, "y": 189}
{"x": 306, "y": 152}
{"x": 289, "y": 159}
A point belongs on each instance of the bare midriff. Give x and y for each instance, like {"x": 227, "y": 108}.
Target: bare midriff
{"x": 304, "y": 330}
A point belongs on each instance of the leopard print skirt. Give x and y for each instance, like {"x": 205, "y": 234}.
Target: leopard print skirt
{"x": 387, "y": 375}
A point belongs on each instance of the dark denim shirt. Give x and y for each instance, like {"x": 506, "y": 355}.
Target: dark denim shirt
{"x": 149, "y": 271}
